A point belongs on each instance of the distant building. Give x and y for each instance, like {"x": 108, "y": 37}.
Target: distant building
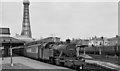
{"x": 81, "y": 41}
{"x": 76, "y": 41}
{"x": 4, "y": 32}
{"x": 85, "y": 42}
{"x": 98, "y": 41}
{"x": 24, "y": 38}
{"x": 51, "y": 39}
{"x": 114, "y": 41}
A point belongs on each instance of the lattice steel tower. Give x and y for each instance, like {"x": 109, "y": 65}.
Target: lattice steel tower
{"x": 26, "y": 29}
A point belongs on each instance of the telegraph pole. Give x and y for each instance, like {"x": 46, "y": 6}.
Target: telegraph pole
{"x": 2, "y": 49}
{"x": 102, "y": 43}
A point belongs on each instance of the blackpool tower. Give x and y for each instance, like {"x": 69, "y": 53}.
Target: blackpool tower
{"x": 26, "y": 29}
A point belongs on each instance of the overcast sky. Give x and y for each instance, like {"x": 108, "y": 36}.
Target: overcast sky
{"x": 64, "y": 19}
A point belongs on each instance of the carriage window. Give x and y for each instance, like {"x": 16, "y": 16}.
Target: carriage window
{"x": 34, "y": 50}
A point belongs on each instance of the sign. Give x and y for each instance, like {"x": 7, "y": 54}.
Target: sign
{"x": 1, "y": 48}
{"x": 4, "y": 31}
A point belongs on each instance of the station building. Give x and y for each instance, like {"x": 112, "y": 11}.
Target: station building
{"x": 6, "y": 41}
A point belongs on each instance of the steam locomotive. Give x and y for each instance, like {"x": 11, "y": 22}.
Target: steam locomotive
{"x": 64, "y": 54}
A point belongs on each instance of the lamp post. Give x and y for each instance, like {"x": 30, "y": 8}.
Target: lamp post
{"x": 103, "y": 43}
{"x": 100, "y": 48}
{"x": 116, "y": 45}
{"x": 116, "y": 48}
{"x": 2, "y": 50}
{"x": 11, "y": 62}
{"x": 84, "y": 51}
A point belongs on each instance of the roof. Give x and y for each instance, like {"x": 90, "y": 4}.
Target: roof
{"x": 114, "y": 38}
{"x": 48, "y": 39}
{"x": 7, "y": 40}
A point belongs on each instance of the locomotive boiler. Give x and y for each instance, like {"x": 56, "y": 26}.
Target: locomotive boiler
{"x": 67, "y": 50}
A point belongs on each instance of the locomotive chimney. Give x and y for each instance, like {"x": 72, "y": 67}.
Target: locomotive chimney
{"x": 67, "y": 40}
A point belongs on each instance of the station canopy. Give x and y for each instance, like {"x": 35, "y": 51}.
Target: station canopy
{"x": 7, "y": 40}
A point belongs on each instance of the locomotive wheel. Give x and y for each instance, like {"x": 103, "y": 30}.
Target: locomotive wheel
{"x": 52, "y": 61}
{"x": 57, "y": 62}
{"x": 65, "y": 64}
{"x": 73, "y": 67}
{"x": 79, "y": 68}
{"x": 62, "y": 63}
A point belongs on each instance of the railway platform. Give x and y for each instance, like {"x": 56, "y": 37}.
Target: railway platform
{"x": 33, "y": 64}
{"x": 27, "y": 63}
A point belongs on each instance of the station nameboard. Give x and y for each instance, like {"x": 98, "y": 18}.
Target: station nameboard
{"x": 5, "y": 31}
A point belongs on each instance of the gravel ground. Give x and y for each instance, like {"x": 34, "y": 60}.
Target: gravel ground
{"x": 111, "y": 59}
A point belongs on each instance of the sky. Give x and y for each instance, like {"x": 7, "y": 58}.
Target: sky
{"x": 65, "y": 19}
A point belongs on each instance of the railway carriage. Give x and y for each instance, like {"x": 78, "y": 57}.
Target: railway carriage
{"x": 32, "y": 51}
